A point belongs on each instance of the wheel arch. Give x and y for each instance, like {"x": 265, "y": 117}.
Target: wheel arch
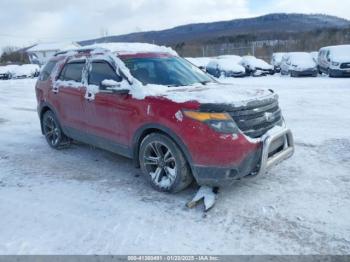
{"x": 44, "y": 107}
{"x": 142, "y": 132}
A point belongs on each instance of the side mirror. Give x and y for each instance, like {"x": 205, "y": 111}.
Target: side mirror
{"x": 111, "y": 86}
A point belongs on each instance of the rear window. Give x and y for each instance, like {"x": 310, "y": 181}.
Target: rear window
{"x": 47, "y": 70}
{"x": 72, "y": 72}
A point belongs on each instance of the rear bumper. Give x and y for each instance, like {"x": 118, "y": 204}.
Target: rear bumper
{"x": 256, "y": 163}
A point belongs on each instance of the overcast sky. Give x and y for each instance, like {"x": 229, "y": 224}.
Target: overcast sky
{"x": 24, "y": 22}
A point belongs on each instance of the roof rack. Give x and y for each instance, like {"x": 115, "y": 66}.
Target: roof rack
{"x": 78, "y": 51}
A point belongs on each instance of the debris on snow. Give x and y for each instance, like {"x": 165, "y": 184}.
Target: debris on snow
{"x": 205, "y": 193}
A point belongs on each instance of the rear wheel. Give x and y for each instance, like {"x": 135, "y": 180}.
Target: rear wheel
{"x": 164, "y": 164}
{"x": 53, "y": 131}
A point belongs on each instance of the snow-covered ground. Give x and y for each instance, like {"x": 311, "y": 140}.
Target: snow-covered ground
{"x": 83, "y": 200}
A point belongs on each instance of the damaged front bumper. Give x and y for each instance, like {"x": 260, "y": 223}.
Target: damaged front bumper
{"x": 277, "y": 145}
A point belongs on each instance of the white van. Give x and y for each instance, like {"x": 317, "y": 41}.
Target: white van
{"x": 334, "y": 60}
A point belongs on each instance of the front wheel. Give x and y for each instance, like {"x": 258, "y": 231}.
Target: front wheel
{"x": 164, "y": 164}
{"x": 53, "y": 131}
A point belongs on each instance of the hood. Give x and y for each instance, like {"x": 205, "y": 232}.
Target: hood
{"x": 212, "y": 93}
{"x": 254, "y": 62}
{"x": 302, "y": 61}
{"x": 340, "y": 54}
{"x": 228, "y": 65}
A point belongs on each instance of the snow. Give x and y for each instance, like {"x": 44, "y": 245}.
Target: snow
{"x": 9, "y": 68}
{"x": 227, "y": 64}
{"x": 3, "y": 70}
{"x": 209, "y": 93}
{"x": 131, "y": 48}
{"x": 234, "y": 58}
{"x": 277, "y": 59}
{"x": 200, "y": 61}
{"x": 301, "y": 60}
{"x": 26, "y": 70}
{"x": 314, "y": 56}
{"x": 340, "y": 53}
{"x": 82, "y": 200}
{"x": 254, "y": 62}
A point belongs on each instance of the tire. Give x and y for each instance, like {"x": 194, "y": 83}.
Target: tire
{"x": 52, "y": 131}
{"x": 293, "y": 74}
{"x": 164, "y": 164}
{"x": 217, "y": 73}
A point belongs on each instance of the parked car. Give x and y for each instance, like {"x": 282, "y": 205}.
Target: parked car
{"x": 314, "y": 56}
{"x": 172, "y": 119}
{"x": 26, "y": 71}
{"x": 256, "y": 67}
{"x": 298, "y": 64}
{"x": 200, "y": 62}
{"x": 276, "y": 60}
{"x": 334, "y": 60}
{"x": 8, "y": 71}
{"x": 5, "y": 74}
{"x": 227, "y": 66}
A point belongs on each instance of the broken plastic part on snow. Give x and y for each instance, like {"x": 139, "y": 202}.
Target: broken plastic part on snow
{"x": 206, "y": 194}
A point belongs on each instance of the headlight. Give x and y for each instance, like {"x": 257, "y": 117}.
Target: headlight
{"x": 335, "y": 64}
{"x": 220, "y": 122}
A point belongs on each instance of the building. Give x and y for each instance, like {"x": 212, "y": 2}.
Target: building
{"x": 42, "y": 52}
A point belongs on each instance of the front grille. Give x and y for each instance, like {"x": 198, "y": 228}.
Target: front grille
{"x": 257, "y": 120}
{"x": 345, "y": 65}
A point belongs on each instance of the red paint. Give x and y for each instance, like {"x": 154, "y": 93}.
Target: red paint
{"x": 117, "y": 118}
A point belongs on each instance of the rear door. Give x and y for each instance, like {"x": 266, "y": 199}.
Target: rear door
{"x": 108, "y": 113}
{"x": 70, "y": 92}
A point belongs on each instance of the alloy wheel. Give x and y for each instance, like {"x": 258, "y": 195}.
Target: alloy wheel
{"x": 160, "y": 164}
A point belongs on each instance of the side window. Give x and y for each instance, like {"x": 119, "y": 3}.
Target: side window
{"x": 72, "y": 72}
{"x": 102, "y": 71}
{"x": 47, "y": 70}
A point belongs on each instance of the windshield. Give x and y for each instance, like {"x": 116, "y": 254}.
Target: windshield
{"x": 169, "y": 71}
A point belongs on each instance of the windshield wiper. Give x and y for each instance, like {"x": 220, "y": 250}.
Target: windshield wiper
{"x": 205, "y": 82}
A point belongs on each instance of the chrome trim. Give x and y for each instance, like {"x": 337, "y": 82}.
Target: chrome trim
{"x": 268, "y": 162}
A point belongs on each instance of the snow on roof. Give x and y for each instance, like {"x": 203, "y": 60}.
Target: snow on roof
{"x": 8, "y": 68}
{"x": 227, "y": 64}
{"x": 302, "y": 59}
{"x": 255, "y": 62}
{"x": 339, "y": 53}
{"x": 26, "y": 70}
{"x": 199, "y": 61}
{"x": 132, "y": 48}
{"x": 57, "y": 46}
{"x": 233, "y": 58}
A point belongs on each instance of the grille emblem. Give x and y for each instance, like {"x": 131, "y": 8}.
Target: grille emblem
{"x": 268, "y": 116}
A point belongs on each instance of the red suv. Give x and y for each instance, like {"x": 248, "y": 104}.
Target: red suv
{"x": 176, "y": 122}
